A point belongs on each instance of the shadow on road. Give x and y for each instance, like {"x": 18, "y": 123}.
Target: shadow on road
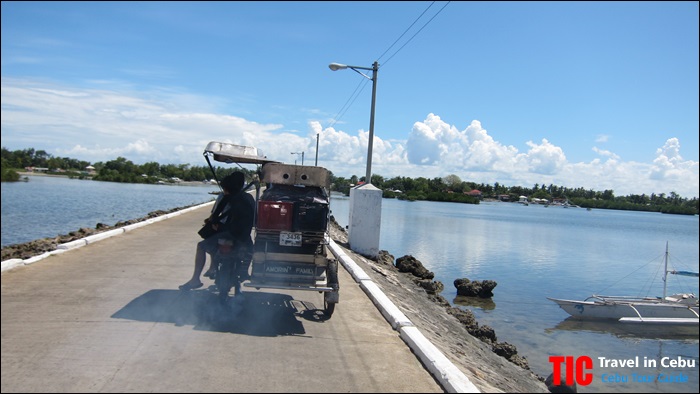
{"x": 259, "y": 314}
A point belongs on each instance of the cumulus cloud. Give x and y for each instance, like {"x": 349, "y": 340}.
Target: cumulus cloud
{"x": 545, "y": 158}
{"x": 434, "y": 142}
{"x": 173, "y": 128}
{"x": 670, "y": 166}
{"x": 605, "y": 153}
{"x": 433, "y": 145}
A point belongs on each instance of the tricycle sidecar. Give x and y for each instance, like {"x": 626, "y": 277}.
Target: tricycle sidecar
{"x": 291, "y": 227}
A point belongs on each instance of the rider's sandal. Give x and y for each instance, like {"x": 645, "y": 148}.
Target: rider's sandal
{"x": 191, "y": 286}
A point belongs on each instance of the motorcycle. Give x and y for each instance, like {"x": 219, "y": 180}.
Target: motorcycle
{"x": 291, "y": 237}
{"x": 232, "y": 261}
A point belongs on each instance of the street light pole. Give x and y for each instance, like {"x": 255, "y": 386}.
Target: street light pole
{"x": 316, "y": 163}
{"x": 375, "y": 69}
{"x": 302, "y": 157}
{"x": 365, "y": 200}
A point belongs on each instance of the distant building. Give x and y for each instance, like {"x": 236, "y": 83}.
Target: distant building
{"x": 474, "y": 193}
{"x": 36, "y": 169}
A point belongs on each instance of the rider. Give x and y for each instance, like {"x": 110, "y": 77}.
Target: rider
{"x": 234, "y": 221}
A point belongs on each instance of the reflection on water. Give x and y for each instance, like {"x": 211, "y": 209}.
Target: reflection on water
{"x": 476, "y": 302}
{"x": 534, "y": 253}
{"x": 628, "y": 330}
{"x": 531, "y": 252}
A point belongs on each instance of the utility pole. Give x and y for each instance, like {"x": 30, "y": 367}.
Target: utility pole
{"x": 316, "y": 163}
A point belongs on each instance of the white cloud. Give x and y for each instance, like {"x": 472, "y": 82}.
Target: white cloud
{"x": 545, "y": 159}
{"x": 172, "y": 127}
{"x": 602, "y": 138}
{"x": 605, "y": 153}
{"x": 670, "y": 166}
{"x": 438, "y": 148}
{"x": 101, "y": 124}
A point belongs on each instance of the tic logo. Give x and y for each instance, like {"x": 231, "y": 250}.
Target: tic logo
{"x": 575, "y": 370}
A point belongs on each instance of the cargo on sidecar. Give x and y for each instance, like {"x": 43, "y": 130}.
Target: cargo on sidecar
{"x": 291, "y": 224}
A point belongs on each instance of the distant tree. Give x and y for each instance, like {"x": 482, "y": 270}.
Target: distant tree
{"x": 452, "y": 181}
{"x": 123, "y": 170}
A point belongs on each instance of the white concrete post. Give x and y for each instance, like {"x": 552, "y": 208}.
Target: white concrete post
{"x": 365, "y": 220}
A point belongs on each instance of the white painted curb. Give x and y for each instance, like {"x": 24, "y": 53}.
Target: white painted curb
{"x": 64, "y": 247}
{"x": 450, "y": 377}
{"x": 390, "y": 311}
{"x": 103, "y": 235}
{"x": 350, "y": 265}
{"x": 11, "y": 263}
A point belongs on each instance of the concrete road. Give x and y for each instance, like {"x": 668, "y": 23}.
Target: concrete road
{"x": 108, "y": 317}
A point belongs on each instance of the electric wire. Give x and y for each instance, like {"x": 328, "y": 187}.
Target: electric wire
{"x": 360, "y": 87}
{"x": 419, "y": 30}
{"x": 406, "y": 31}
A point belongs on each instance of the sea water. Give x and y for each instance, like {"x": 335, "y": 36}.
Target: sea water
{"x": 47, "y": 206}
{"x": 534, "y": 252}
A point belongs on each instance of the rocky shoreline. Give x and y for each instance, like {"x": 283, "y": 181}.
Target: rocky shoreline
{"x": 491, "y": 365}
{"x": 34, "y": 248}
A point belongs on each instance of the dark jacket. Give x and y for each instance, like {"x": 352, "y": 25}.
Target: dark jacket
{"x": 238, "y": 215}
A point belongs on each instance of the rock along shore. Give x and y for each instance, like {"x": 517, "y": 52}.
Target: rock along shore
{"x": 490, "y": 365}
{"x": 34, "y": 248}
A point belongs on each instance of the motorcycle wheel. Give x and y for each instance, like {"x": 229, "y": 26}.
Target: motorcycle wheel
{"x": 332, "y": 275}
{"x": 223, "y": 280}
{"x": 328, "y": 307}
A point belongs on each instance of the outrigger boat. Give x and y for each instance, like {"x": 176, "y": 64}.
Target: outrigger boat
{"x": 676, "y": 309}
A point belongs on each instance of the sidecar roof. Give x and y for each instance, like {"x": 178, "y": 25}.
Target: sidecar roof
{"x": 231, "y": 153}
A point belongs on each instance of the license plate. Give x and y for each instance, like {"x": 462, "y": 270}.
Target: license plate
{"x": 290, "y": 239}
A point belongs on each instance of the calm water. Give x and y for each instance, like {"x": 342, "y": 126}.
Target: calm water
{"x": 50, "y": 206}
{"x": 534, "y": 252}
{"x": 531, "y": 252}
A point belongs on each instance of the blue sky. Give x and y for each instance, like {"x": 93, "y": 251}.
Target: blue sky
{"x": 599, "y": 95}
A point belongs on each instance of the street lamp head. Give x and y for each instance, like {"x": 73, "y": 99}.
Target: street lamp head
{"x": 374, "y": 68}
{"x": 337, "y": 66}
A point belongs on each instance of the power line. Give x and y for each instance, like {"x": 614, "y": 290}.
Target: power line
{"x": 406, "y": 31}
{"x": 419, "y": 30}
{"x": 348, "y": 103}
{"x": 363, "y": 83}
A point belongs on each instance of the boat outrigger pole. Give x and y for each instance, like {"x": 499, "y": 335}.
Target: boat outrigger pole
{"x": 674, "y": 272}
{"x": 665, "y": 270}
